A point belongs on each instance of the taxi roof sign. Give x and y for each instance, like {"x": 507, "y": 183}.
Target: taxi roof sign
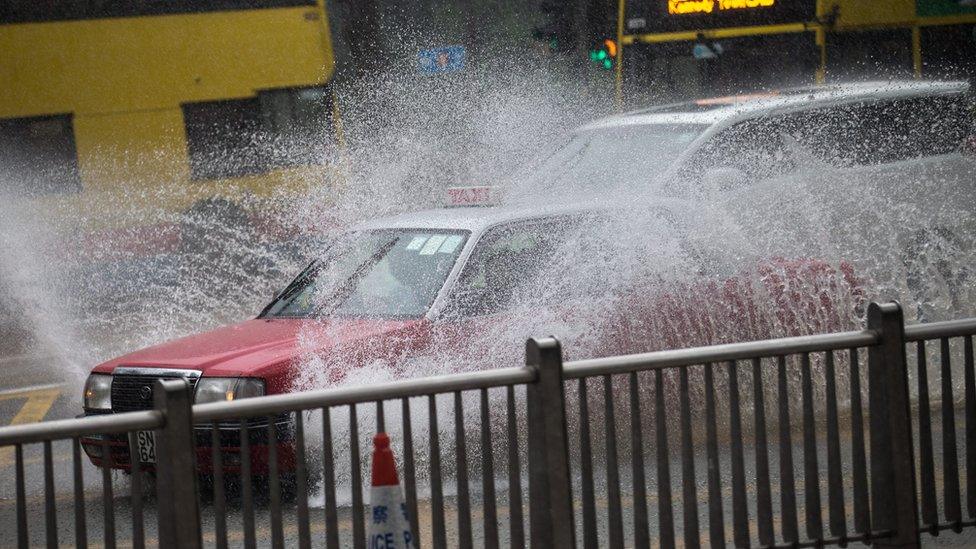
{"x": 472, "y": 196}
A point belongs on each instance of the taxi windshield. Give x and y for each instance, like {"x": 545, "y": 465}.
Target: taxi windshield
{"x": 608, "y": 158}
{"x": 390, "y": 274}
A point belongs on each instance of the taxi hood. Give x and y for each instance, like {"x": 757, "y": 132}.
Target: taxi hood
{"x": 263, "y": 348}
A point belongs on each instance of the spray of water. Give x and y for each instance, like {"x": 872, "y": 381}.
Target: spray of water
{"x": 82, "y": 285}
{"x": 794, "y": 254}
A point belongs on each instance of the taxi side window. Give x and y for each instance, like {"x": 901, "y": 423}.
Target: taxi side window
{"x": 505, "y": 258}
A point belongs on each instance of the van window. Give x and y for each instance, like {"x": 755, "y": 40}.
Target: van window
{"x": 883, "y": 132}
{"x": 754, "y": 147}
{"x": 867, "y": 133}
{"x": 612, "y": 158}
{"x": 38, "y": 156}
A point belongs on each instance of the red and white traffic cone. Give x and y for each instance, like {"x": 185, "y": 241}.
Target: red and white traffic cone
{"x": 389, "y": 526}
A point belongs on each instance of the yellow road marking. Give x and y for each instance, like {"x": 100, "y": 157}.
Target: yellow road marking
{"x": 37, "y": 405}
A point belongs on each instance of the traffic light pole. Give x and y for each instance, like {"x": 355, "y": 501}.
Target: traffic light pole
{"x": 619, "y": 84}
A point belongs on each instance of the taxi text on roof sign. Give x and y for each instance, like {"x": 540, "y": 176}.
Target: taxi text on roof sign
{"x": 678, "y": 7}
{"x": 472, "y": 196}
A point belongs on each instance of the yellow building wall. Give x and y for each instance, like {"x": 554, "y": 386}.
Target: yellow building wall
{"x": 869, "y": 13}
{"x": 158, "y": 62}
{"x": 881, "y": 13}
{"x": 160, "y": 153}
{"x": 124, "y": 80}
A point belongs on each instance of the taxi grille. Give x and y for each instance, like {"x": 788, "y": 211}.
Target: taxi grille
{"x": 132, "y": 392}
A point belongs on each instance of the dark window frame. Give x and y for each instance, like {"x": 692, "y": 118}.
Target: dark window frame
{"x": 244, "y": 137}
{"x": 39, "y": 165}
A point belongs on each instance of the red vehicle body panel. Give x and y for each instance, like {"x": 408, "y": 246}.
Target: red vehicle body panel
{"x": 268, "y": 348}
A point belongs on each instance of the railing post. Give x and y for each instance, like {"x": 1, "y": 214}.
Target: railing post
{"x": 550, "y": 488}
{"x": 176, "y": 471}
{"x": 893, "y": 495}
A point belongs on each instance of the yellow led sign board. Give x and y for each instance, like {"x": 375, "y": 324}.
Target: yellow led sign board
{"x": 679, "y": 7}
{"x": 691, "y": 15}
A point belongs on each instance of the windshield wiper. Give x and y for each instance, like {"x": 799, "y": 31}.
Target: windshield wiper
{"x": 292, "y": 288}
{"x": 345, "y": 290}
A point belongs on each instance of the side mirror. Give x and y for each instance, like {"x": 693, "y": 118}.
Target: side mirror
{"x": 723, "y": 178}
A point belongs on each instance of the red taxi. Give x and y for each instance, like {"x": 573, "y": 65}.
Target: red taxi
{"x": 470, "y": 283}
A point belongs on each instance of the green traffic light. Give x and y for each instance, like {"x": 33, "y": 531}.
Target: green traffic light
{"x": 607, "y": 64}
{"x": 593, "y": 56}
{"x": 601, "y": 55}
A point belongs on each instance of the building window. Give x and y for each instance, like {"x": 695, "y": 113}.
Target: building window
{"x": 277, "y": 129}
{"x": 38, "y": 156}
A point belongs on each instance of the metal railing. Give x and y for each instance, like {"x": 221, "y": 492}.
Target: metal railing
{"x": 171, "y": 417}
{"x": 918, "y": 338}
{"x": 842, "y": 436}
{"x": 891, "y": 480}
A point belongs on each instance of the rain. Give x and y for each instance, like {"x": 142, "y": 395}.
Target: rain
{"x": 334, "y": 195}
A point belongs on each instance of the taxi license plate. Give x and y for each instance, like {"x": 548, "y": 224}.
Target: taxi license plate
{"x": 147, "y": 446}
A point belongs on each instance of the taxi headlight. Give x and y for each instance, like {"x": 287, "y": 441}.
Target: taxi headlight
{"x": 218, "y": 389}
{"x": 98, "y": 392}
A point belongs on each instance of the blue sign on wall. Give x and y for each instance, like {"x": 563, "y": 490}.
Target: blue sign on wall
{"x": 438, "y": 60}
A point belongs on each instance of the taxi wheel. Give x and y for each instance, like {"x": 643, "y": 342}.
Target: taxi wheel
{"x": 232, "y": 487}
{"x": 205, "y": 487}
{"x": 261, "y": 488}
{"x": 289, "y": 487}
{"x": 313, "y": 470}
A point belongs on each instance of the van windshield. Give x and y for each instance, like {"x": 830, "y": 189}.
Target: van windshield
{"x": 389, "y": 274}
{"x": 610, "y": 158}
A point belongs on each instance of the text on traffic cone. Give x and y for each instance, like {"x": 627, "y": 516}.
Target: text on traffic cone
{"x": 389, "y": 525}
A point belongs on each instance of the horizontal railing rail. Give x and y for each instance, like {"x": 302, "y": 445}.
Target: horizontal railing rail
{"x": 344, "y": 396}
{"x": 170, "y": 417}
{"x": 48, "y": 431}
{"x": 938, "y": 330}
{"x": 719, "y": 353}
